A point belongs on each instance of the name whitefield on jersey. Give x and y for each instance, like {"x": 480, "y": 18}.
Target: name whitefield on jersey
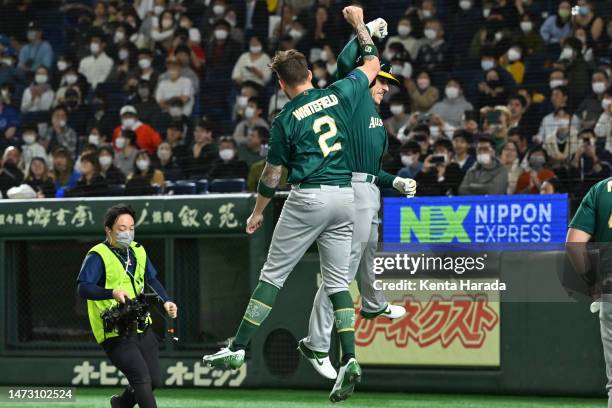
{"x": 318, "y": 105}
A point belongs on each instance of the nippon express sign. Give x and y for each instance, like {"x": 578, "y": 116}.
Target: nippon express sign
{"x": 480, "y": 219}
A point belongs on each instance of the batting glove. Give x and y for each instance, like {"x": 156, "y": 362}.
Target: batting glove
{"x": 405, "y": 186}
{"x": 378, "y": 28}
{"x": 595, "y": 306}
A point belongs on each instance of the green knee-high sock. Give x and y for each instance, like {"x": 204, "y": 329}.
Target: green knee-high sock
{"x": 259, "y": 307}
{"x": 344, "y": 312}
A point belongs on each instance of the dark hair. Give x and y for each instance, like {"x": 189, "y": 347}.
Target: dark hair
{"x": 228, "y": 139}
{"x": 537, "y": 149}
{"x": 290, "y": 66}
{"x": 445, "y": 143}
{"x": 111, "y": 215}
{"x": 204, "y": 124}
{"x": 263, "y": 133}
{"x": 130, "y": 135}
{"x": 516, "y": 131}
{"x": 107, "y": 149}
{"x": 520, "y": 98}
{"x": 601, "y": 71}
{"x": 93, "y": 159}
{"x": 563, "y": 89}
{"x": 484, "y": 138}
{"x": 463, "y": 134}
{"x": 410, "y": 147}
{"x": 421, "y": 129}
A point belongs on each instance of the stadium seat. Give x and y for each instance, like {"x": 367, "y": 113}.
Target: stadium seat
{"x": 116, "y": 190}
{"x": 181, "y": 187}
{"x": 234, "y": 185}
{"x": 202, "y": 186}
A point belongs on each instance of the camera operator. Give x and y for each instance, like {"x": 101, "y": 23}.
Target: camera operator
{"x": 440, "y": 174}
{"x": 114, "y": 273}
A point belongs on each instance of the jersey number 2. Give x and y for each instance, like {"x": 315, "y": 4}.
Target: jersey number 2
{"x": 324, "y": 137}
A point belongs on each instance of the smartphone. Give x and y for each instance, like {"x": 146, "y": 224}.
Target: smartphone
{"x": 493, "y": 118}
{"x": 437, "y": 159}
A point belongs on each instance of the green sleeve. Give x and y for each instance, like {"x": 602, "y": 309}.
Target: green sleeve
{"x": 347, "y": 60}
{"x": 278, "y": 147}
{"x": 585, "y": 217}
{"x": 351, "y": 89}
{"x": 385, "y": 179}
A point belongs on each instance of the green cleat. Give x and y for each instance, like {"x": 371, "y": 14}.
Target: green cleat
{"x": 225, "y": 358}
{"x": 348, "y": 376}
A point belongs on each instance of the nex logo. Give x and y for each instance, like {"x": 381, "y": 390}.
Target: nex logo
{"x": 434, "y": 224}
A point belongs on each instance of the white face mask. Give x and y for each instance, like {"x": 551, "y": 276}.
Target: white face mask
{"x": 221, "y": 34}
{"x": 29, "y": 138}
{"x": 487, "y": 65}
{"x": 175, "y": 111}
{"x": 142, "y": 164}
{"x": 105, "y": 161}
{"x": 119, "y": 36}
{"x": 242, "y": 101}
{"x": 194, "y": 35}
{"x": 61, "y": 123}
{"x": 226, "y": 154}
{"x": 324, "y": 56}
{"x": 483, "y": 158}
{"x": 407, "y": 160}
{"x": 498, "y": 36}
{"x": 123, "y": 55}
{"x": 71, "y": 79}
{"x": 40, "y": 78}
{"x": 62, "y": 65}
{"x": 94, "y": 139}
{"x": 407, "y": 70}
{"x": 296, "y": 35}
{"x": 120, "y": 142}
{"x": 430, "y": 34}
{"x": 427, "y": 13}
{"x": 465, "y": 5}
{"x": 321, "y": 83}
{"x": 526, "y": 26}
{"x": 397, "y": 109}
{"x": 567, "y": 53}
{"x": 605, "y": 103}
{"x": 144, "y": 63}
{"x": 249, "y": 112}
{"x": 434, "y": 131}
{"x": 255, "y": 49}
{"x": 403, "y": 30}
{"x": 514, "y": 54}
{"x": 451, "y": 92}
{"x": 94, "y": 47}
{"x": 599, "y": 87}
{"x": 164, "y": 154}
{"x": 158, "y": 10}
{"x": 128, "y": 123}
{"x": 555, "y": 83}
{"x": 218, "y": 9}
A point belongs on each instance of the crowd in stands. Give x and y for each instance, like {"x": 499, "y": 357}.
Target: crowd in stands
{"x": 129, "y": 96}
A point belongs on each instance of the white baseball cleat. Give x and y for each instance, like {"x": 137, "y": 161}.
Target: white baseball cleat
{"x": 225, "y": 358}
{"x": 349, "y": 375}
{"x": 320, "y": 361}
{"x": 394, "y": 311}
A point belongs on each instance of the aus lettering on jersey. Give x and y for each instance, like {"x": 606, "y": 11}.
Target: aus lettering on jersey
{"x": 375, "y": 122}
{"x": 305, "y": 111}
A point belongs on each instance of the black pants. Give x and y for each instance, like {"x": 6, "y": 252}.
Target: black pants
{"x": 137, "y": 357}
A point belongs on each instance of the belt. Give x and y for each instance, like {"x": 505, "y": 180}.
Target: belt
{"x": 364, "y": 178}
{"x": 319, "y": 185}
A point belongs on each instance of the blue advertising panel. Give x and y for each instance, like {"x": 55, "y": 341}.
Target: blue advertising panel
{"x": 476, "y": 219}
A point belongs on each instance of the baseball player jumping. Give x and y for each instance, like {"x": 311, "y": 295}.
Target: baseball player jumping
{"x": 366, "y": 145}
{"x": 309, "y": 137}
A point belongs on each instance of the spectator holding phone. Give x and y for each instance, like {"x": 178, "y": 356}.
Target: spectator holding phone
{"x": 440, "y": 174}
{"x": 531, "y": 180}
{"x": 585, "y": 163}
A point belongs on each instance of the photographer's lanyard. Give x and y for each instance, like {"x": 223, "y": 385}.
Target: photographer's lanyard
{"x": 127, "y": 265}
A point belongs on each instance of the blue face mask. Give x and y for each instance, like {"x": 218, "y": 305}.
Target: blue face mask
{"x": 125, "y": 238}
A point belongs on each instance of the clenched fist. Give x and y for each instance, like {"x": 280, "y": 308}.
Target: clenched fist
{"x": 405, "y": 186}
{"x": 353, "y": 15}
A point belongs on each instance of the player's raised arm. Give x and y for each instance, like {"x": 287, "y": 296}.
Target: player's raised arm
{"x": 371, "y": 64}
{"x": 349, "y": 56}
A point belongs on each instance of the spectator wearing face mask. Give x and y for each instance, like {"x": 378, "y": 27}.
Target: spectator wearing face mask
{"x": 127, "y": 149}
{"x": 406, "y": 37}
{"x": 440, "y": 175}
{"x": 182, "y": 54}
{"x": 559, "y": 117}
{"x": 491, "y": 91}
{"x": 422, "y": 94}
{"x": 328, "y": 56}
{"x": 106, "y": 157}
{"x": 254, "y": 149}
{"x": 252, "y": 119}
{"x": 38, "y": 97}
{"x": 37, "y": 52}
{"x": 70, "y": 78}
{"x": 39, "y": 179}
{"x": 253, "y": 65}
{"x": 175, "y": 135}
{"x": 91, "y": 183}
{"x": 145, "y": 177}
{"x": 576, "y": 70}
{"x": 146, "y": 137}
{"x": 162, "y": 30}
{"x": 531, "y": 180}
{"x": 146, "y": 106}
{"x": 487, "y": 176}
{"x": 433, "y": 54}
{"x": 31, "y": 148}
{"x": 176, "y": 86}
{"x": 410, "y": 155}
{"x": 399, "y": 117}
{"x": 452, "y": 108}
{"x": 512, "y": 61}
{"x": 204, "y": 150}
{"x": 585, "y": 163}
{"x": 145, "y": 71}
{"x": 529, "y": 39}
{"x": 590, "y": 109}
{"x": 587, "y": 19}
{"x": 228, "y": 165}
{"x": 462, "y": 141}
{"x": 557, "y": 26}
{"x": 320, "y": 77}
{"x": 494, "y": 36}
{"x": 603, "y": 127}
{"x": 64, "y": 175}
{"x": 97, "y": 66}
{"x": 60, "y": 133}
{"x": 509, "y": 159}
{"x": 10, "y": 173}
{"x": 167, "y": 162}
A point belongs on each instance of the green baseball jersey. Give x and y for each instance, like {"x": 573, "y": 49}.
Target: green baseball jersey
{"x": 309, "y": 135}
{"x": 368, "y": 141}
{"x": 594, "y": 216}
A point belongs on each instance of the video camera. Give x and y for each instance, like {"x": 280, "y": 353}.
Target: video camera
{"x": 126, "y": 318}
